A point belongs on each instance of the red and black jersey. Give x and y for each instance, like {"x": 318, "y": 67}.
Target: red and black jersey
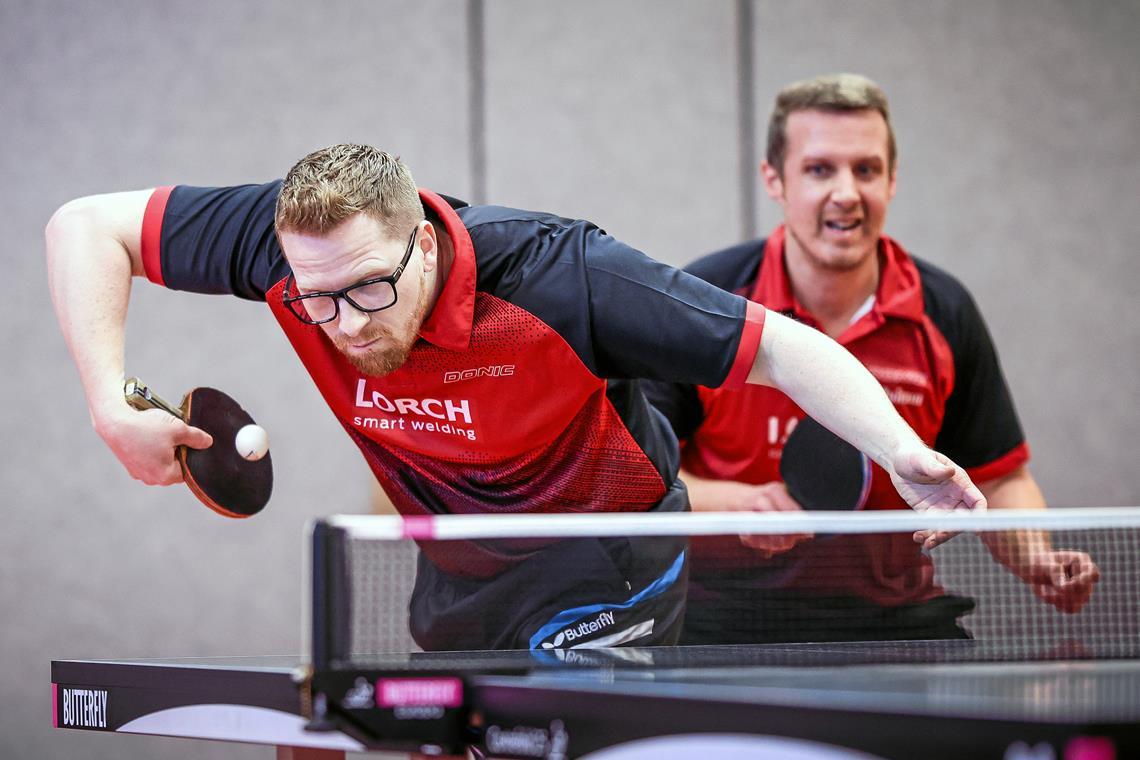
{"x": 504, "y": 403}
{"x": 924, "y": 339}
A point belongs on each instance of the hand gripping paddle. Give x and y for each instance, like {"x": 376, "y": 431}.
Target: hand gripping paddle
{"x": 218, "y": 476}
{"x": 822, "y": 471}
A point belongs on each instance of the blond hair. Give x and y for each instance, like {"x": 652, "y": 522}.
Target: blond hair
{"x": 326, "y": 187}
{"x": 831, "y": 92}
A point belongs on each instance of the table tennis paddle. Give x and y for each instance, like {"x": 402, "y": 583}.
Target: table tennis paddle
{"x": 219, "y": 476}
{"x": 822, "y": 471}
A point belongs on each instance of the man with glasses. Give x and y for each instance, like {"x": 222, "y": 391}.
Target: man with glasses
{"x": 467, "y": 352}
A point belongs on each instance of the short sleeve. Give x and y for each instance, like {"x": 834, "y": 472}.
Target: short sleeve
{"x": 213, "y": 239}
{"x": 624, "y": 314}
{"x": 732, "y": 269}
{"x": 653, "y": 321}
{"x": 980, "y": 430}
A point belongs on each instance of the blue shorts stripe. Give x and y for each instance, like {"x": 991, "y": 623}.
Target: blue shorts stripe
{"x": 567, "y": 617}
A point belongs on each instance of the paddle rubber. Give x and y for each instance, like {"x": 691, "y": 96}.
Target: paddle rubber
{"x": 219, "y": 476}
{"x": 822, "y": 471}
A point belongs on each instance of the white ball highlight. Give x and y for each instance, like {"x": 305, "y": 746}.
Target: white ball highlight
{"x": 252, "y": 442}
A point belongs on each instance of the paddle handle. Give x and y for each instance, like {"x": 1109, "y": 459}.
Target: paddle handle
{"x": 143, "y": 398}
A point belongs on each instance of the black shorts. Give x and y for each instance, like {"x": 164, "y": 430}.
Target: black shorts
{"x": 580, "y": 592}
{"x": 785, "y": 616}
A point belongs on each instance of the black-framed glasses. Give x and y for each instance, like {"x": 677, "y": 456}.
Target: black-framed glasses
{"x": 373, "y": 294}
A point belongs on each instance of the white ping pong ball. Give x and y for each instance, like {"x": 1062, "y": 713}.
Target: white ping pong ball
{"x": 252, "y": 442}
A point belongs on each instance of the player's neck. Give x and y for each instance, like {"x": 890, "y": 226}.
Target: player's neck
{"x": 832, "y": 296}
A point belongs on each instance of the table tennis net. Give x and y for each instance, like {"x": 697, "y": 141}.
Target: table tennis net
{"x": 858, "y": 577}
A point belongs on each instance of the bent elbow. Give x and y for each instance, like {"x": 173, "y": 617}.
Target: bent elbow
{"x": 75, "y": 214}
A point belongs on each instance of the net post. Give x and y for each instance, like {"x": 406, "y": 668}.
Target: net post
{"x": 330, "y": 596}
{"x": 328, "y": 637}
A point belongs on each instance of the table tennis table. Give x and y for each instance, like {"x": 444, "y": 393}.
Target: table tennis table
{"x": 849, "y": 700}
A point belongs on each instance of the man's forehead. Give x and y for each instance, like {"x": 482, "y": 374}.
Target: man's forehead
{"x": 862, "y": 131}
{"x": 354, "y": 249}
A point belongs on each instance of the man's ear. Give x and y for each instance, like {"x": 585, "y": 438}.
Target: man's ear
{"x": 429, "y": 245}
{"x": 773, "y": 182}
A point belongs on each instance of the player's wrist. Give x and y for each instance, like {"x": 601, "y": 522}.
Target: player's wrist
{"x": 105, "y": 402}
{"x": 107, "y": 420}
{"x": 105, "y": 409}
{"x": 904, "y": 455}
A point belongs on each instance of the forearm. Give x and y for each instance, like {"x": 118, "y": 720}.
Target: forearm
{"x": 90, "y": 265}
{"x": 1015, "y": 549}
{"x": 710, "y": 495}
{"x": 832, "y": 386}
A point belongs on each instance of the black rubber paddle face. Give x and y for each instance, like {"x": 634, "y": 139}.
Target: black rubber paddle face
{"x": 219, "y": 476}
{"x": 822, "y": 471}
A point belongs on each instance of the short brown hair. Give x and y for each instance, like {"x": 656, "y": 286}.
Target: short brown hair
{"x": 326, "y": 187}
{"x": 831, "y": 92}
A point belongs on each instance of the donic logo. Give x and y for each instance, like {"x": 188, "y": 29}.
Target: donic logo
{"x": 580, "y": 631}
{"x": 493, "y": 370}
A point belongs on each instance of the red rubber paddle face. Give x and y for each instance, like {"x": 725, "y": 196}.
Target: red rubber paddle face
{"x": 219, "y": 476}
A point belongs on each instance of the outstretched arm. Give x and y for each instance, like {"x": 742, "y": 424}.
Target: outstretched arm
{"x": 93, "y": 250}
{"x": 829, "y": 384}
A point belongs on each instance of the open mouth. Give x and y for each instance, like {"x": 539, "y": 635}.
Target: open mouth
{"x": 842, "y": 226}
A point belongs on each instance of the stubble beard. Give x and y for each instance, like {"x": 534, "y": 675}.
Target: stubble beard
{"x": 829, "y": 257}
{"x": 382, "y": 361}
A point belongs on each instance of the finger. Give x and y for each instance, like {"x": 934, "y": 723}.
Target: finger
{"x": 759, "y": 544}
{"x": 1069, "y": 600}
{"x": 1093, "y": 574}
{"x": 1049, "y": 571}
{"x": 173, "y": 474}
{"x": 1076, "y": 605}
{"x": 1082, "y": 570}
{"x": 1069, "y": 603}
{"x": 937, "y": 538}
{"x": 194, "y": 438}
{"x": 1079, "y": 595}
{"x": 974, "y": 499}
{"x": 782, "y": 501}
{"x": 935, "y": 468}
{"x": 162, "y": 475}
{"x": 769, "y": 544}
{"x": 930, "y": 538}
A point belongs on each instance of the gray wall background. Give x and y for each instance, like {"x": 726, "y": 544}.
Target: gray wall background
{"x": 1019, "y": 155}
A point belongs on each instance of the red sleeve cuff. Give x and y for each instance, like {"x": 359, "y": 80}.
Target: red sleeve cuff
{"x": 152, "y": 234}
{"x": 1001, "y": 466}
{"x": 749, "y": 346}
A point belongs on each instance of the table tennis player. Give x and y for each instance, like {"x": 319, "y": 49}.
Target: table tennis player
{"x": 467, "y": 351}
{"x": 831, "y": 165}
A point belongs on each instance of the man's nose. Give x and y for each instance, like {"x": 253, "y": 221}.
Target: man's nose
{"x": 351, "y": 320}
{"x": 845, "y": 191}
